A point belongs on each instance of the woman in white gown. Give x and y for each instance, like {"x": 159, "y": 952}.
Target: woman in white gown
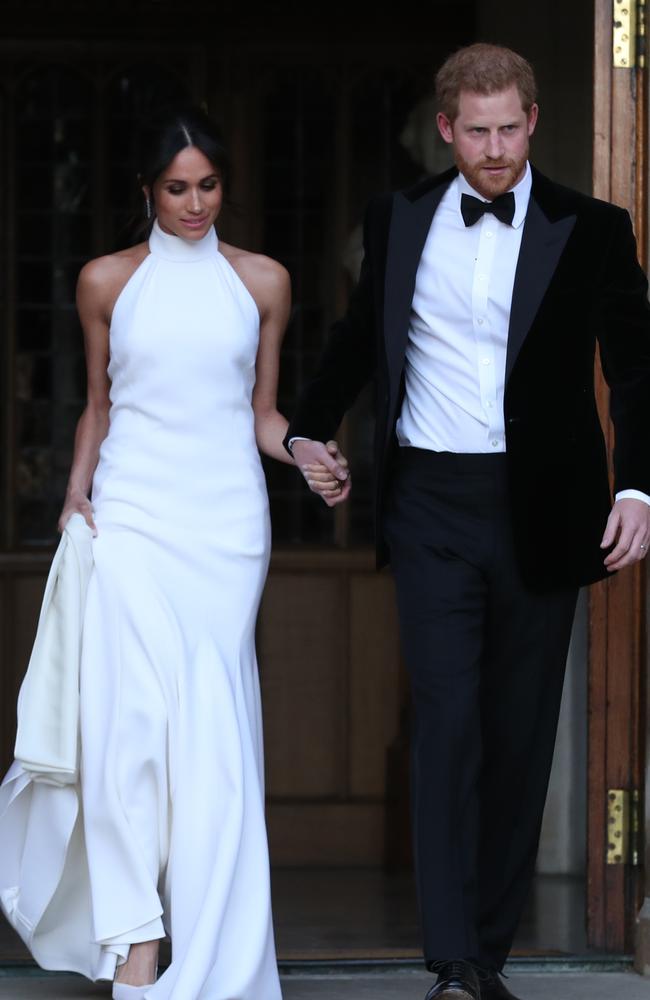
{"x": 182, "y": 338}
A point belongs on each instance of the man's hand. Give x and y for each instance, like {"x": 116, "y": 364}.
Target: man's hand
{"x": 325, "y": 469}
{"x": 628, "y": 529}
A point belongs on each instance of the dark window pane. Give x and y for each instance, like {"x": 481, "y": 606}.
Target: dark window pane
{"x": 65, "y": 282}
{"x": 33, "y": 234}
{"x": 36, "y": 521}
{"x": 66, "y": 334}
{"x": 33, "y": 329}
{"x": 34, "y": 473}
{"x": 71, "y": 187}
{"x": 73, "y": 138}
{"x": 33, "y": 376}
{"x": 73, "y": 92}
{"x": 54, "y": 128}
{"x": 69, "y": 376}
{"x": 34, "y": 422}
{"x": 34, "y": 282}
{"x": 35, "y": 140}
{"x": 35, "y": 187}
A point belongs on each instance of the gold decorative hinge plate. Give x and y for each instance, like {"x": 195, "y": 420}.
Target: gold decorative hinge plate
{"x": 623, "y": 826}
{"x": 628, "y": 36}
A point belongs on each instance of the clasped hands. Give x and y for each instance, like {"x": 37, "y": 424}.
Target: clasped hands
{"x": 325, "y": 469}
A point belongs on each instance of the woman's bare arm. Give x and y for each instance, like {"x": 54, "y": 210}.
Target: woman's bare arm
{"x": 99, "y": 284}
{"x": 270, "y": 286}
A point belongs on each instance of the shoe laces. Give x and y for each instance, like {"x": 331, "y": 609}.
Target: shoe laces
{"x": 453, "y": 968}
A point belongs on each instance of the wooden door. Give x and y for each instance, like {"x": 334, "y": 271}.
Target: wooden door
{"x": 617, "y": 652}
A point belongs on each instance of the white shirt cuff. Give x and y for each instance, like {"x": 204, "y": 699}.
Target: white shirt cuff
{"x": 633, "y": 495}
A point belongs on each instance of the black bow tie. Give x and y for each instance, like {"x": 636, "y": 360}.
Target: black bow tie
{"x": 503, "y": 207}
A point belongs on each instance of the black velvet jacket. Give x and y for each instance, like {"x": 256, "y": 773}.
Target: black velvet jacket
{"x": 577, "y": 283}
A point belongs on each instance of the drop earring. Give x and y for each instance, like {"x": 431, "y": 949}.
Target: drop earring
{"x": 147, "y": 207}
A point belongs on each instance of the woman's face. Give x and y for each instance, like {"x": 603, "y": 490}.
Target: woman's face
{"x": 187, "y": 195}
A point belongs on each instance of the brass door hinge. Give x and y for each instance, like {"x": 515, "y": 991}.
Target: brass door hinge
{"x": 628, "y": 35}
{"x": 623, "y": 826}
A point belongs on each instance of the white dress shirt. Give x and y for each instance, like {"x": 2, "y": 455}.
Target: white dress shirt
{"x": 458, "y": 335}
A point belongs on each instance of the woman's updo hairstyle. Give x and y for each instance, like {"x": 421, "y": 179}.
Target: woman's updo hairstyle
{"x": 175, "y": 129}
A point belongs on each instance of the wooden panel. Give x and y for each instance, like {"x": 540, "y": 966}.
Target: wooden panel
{"x": 374, "y": 681}
{"x": 329, "y": 717}
{"x": 616, "y": 630}
{"x": 302, "y": 651}
{"x": 326, "y": 834}
{"x": 602, "y": 150}
{"x": 642, "y": 949}
{"x": 615, "y": 711}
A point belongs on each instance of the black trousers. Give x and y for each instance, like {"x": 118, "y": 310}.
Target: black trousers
{"x": 486, "y": 658}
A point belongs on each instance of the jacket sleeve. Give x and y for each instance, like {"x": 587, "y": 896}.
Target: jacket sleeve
{"x": 346, "y": 364}
{"x": 625, "y": 356}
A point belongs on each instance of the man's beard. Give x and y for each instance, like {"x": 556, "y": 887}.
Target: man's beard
{"x": 481, "y": 180}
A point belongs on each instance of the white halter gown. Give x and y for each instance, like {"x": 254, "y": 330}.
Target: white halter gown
{"x": 172, "y": 792}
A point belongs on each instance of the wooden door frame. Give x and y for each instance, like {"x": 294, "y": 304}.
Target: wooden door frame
{"x": 617, "y": 625}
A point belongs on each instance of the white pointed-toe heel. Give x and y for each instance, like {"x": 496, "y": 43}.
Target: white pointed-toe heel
{"x": 121, "y": 991}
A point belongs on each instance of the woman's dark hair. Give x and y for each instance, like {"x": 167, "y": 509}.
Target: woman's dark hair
{"x": 174, "y": 130}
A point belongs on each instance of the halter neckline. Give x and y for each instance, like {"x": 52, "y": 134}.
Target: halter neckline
{"x": 174, "y": 248}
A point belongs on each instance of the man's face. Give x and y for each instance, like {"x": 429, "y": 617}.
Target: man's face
{"x": 489, "y": 137}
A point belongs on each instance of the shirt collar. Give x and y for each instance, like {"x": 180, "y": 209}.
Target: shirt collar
{"x": 521, "y": 191}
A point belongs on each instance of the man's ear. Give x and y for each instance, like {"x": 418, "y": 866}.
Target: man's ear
{"x": 445, "y": 127}
{"x": 533, "y": 115}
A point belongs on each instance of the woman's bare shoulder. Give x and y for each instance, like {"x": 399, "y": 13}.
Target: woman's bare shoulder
{"x": 102, "y": 279}
{"x": 262, "y": 271}
{"x": 112, "y": 268}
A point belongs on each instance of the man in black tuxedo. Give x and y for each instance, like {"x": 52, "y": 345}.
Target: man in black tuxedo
{"x": 482, "y": 296}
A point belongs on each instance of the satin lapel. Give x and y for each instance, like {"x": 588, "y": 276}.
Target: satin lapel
{"x": 542, "y": 244}
{"x": 408, "y": 232}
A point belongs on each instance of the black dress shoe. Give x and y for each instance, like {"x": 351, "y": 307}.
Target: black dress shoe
{"x": 493, "y": 987}
{"x": 456, "y": 981}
